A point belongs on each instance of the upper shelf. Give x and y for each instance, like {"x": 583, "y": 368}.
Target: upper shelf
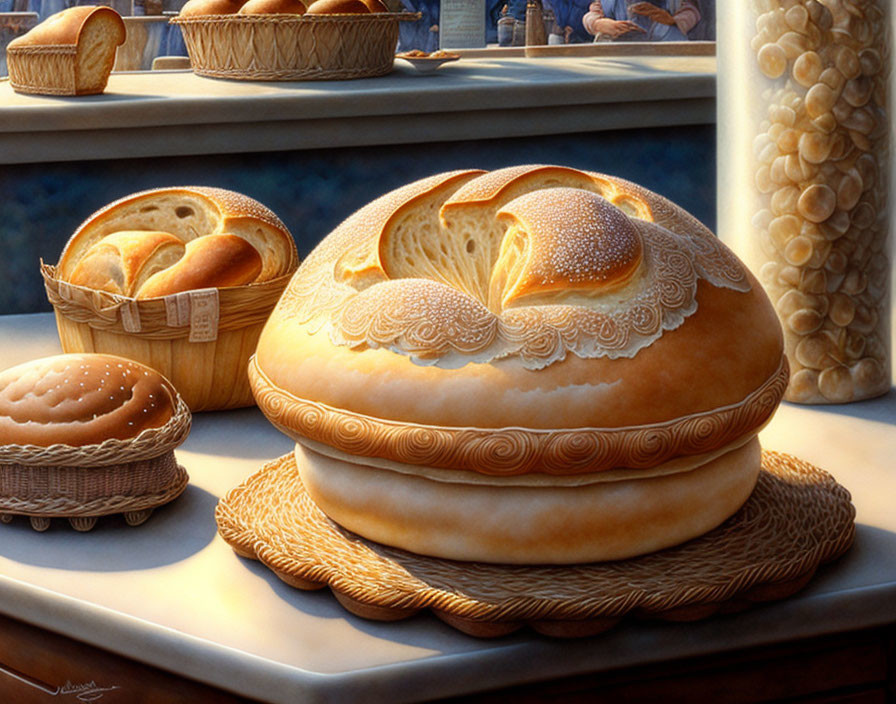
{"x": 166, "y": 113}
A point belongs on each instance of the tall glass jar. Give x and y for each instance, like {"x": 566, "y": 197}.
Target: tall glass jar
{"x": 803, "y": 180}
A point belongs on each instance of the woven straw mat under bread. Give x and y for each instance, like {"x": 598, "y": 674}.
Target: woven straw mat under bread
{"x": 797, "y": 518}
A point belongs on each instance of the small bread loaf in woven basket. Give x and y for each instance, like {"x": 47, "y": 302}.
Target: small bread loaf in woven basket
{"x": 69, "y": 53}
{"x": 87, "y": 435}
{"x": 533, "y": 365}
{"x": 180, "y": 279}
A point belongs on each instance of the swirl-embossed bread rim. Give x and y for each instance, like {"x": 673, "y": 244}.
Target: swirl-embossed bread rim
{"x": 511, "y": 451}
{"x": 148, "y": 444}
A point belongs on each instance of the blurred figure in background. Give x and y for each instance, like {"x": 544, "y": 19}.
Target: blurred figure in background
{"x": 641, "y": 20}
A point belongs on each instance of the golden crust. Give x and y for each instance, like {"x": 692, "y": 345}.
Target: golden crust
{"x": 385, "y": 322}
{"x": 64, "y": 28}
{"x": 188, "y": 213}
{"x": 81, "y": 399}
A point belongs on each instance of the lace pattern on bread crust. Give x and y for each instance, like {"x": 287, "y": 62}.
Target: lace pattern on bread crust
{"x": 512, "y": 451}
{"x": 435, "y": 324}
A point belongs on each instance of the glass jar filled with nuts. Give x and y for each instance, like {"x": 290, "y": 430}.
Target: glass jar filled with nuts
{"x": 803, "y": 180}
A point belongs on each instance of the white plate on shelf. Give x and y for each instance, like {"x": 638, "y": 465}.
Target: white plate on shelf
{"x": 427, "y": 64}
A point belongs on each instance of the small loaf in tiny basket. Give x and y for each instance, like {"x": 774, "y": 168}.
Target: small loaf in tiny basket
{"x": 69, "y": 53}
{"x": 180, "y": 279}
{"x": 87, "y": 435}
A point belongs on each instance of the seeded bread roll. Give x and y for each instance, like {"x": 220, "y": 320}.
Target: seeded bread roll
{"x": 176, "y": 239}
{"x": 338, "y": 7}
{"x": 196, "y": 8}
{"x": 81, "y": 399}
{"x": 69, "y": 53}
{"x": 536, "y": 321}
{"x": 273, "y": 7}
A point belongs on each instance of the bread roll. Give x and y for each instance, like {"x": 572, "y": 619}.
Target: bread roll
{"x": 273, "y": 7}
{"x": 208, "y": 237}
{"x": 121, "y": 262}
{"x": 81, "y": 399}
{"x": 69, "y": 53}
{"x": 536, "y": 320}
{"x": 375, "y": 5}
{"x": 197, "y": 8}
{"x": 210, "y": 261}
{"x": 338, "y": 7}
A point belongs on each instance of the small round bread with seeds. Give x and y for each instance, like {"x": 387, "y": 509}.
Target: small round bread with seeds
{"x": 533, "y": 365}
{"x": 87, "y": 435}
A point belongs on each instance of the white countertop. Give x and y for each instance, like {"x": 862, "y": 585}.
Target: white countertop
{"x": 171, "y": 593}
{"x": 164, "y": 113}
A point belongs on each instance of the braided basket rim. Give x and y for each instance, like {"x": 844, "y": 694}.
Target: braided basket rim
{"x": 399, "y": 587}
{"x": 297, "y": 19}
{"x": 239, "y": 306}
{"x": 148, "y": 444}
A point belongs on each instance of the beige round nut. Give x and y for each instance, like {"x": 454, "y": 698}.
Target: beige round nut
{"x": 783, "y": 229}
{"x": 815, "y": 147}
{"x": 795, "y": 168}
{"x": 797, "y": 18}
{"x": 788, "y": 276}
{"x": 803, "y": 386}
{"x": 854, "y": 283}
{"x": 861, "y": 120}
{"x": 813, "y": 351}
{"x": 850, "y": 190}
{"x": 817, "y": 202}
{"x": 820, "y": 99}
{"x": 788, "y": 140}
{"x": 819, "y": 15}
{"x": 769, "y": 153}
{"x": 813, "y": 281}
{"x": 820, "y": 251}
{"x": 854, "y": 347}
{"x": 793, "y": 44}
{"x": 870, "y": 61}
{"x": 838, "y": 224}
{"x": 798, "y": 251}
{"x": 774, "y": 131}
{"x": 857, "y": 91}
{"x": 836, "y": 385}
{"x": 784, "y": 200}
{"x": 869, "y": 376}
{"x": 764, "y": 183}
{"x": 847, "y": 62}
{"x": 841, "y": 111}
{"x": 865, "y": 320}
{"x": 772, "y": 61}
{"x": 860, "y": 140}
{"x": 833, "y": 79}
{"x": 807, "y": 68}
{"x": 794, "y": 300}
{"x": 826, "y": 123}
{"x": 804, "y": 322}
{"x": 868, "y": 165}
{"x": 842, "y": 310}
{"x": 768, "y": 273}
{"x": 778, "y": 172}
{"x": 863, "y": 216}
{"x": 836, "y": 262}
{"x": 785, "y": 115}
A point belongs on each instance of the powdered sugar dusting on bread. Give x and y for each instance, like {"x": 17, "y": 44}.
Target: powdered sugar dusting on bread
{"x": 587, "y": 264}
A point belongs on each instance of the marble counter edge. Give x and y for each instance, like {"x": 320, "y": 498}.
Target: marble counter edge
{"x": 441, "y": 676}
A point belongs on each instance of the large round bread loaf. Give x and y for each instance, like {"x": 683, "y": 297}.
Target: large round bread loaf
{"x": 535, "y": 321}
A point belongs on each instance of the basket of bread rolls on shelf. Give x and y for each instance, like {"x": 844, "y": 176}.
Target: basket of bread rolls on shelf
{"x": 88, "y": 435}
{"x": 288, "y": 40}
{"x": 181, "y": 279}
{"x": 485, "y": 372}
{"x": 69, "y": 53}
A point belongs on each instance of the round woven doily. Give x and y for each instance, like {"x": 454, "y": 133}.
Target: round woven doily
{"x": 797, "y": 518}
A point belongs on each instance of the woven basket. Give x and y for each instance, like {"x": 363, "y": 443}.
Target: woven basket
{"x": 200, "y": 340}
{"x": 292, "y": 47}
{"x": 82, "y": 483}
{"x": 48, "y": 70}
{"x": 797, "y": 518}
